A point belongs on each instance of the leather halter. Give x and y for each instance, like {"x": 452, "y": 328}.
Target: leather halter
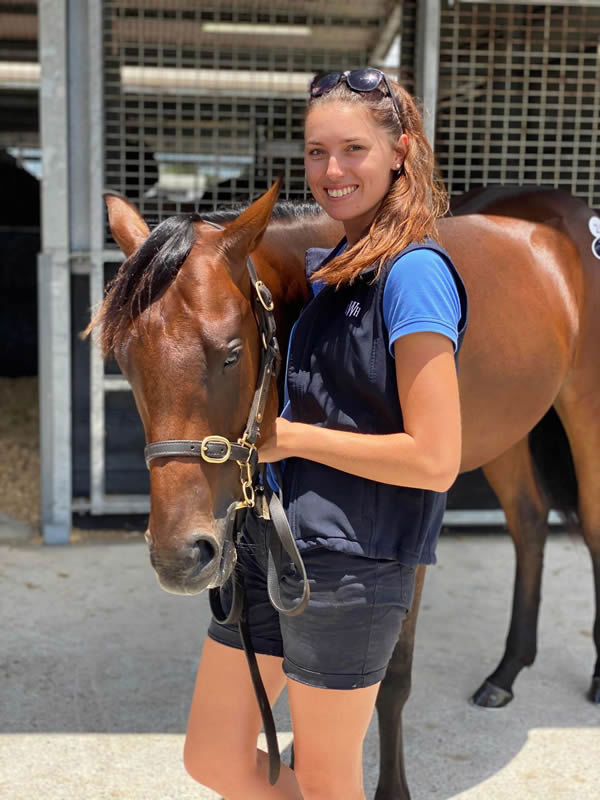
{"x": 218, "y": 450}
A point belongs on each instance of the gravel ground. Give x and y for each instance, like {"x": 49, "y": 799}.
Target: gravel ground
{"x": 20, "y": 466}
{"x": 20, "y": 442}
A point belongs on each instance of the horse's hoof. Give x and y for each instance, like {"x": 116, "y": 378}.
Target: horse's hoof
{"x": 490, "y": 696}
{"x": 594, "y": 692}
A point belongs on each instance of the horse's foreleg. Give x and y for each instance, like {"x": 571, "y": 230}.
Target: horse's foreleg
{"x": 512, "y": 478}
{"x": 393, "y": 694}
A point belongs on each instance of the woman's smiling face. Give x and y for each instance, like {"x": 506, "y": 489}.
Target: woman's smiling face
{"x": 349, "y": 162}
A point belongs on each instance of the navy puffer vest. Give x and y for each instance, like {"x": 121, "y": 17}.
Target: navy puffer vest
{"x": 341, "y": 375}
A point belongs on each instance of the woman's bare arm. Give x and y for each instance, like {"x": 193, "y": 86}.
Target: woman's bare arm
{"x": 426, "y": 455}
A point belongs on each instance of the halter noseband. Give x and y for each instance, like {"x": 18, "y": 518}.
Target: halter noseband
{"x": 217, "y": 449}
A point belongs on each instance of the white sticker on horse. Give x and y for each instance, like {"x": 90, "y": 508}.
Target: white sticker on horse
{"x": 594, "y": 226}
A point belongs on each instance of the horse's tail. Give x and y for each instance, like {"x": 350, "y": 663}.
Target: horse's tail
{"x": 554, "y": 467}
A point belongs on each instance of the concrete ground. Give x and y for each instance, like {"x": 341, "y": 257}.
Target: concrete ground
{"x": 97, "y": 667}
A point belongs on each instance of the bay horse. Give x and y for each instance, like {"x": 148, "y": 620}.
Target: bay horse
{"x": 179, "y": 319}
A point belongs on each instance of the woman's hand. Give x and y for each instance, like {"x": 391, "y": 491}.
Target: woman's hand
{"x": 277, "y": 443}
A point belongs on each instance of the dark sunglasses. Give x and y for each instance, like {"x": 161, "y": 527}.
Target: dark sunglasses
{"x": 359, "y": 80}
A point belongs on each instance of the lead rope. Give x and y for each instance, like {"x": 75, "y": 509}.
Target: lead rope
{"x": 284, "y": 540}
{"x": 259, "y": 690}
{"x": 238, "y": 614}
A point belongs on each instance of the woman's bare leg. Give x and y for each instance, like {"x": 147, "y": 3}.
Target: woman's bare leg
{"x": 329, "y": 729}
{"x": 220, "y": 747}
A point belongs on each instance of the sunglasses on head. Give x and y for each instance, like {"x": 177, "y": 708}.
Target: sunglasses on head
{"x": 359, "y": 80}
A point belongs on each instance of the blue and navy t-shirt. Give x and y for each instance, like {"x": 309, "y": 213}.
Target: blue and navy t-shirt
{"x": 420, "y": 295}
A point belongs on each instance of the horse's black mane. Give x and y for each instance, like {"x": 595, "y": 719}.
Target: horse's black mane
{"x": 146, "y": 273}
{"x": 284, "y": 209}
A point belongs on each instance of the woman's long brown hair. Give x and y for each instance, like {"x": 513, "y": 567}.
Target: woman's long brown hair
{"x": 416, "y": 199}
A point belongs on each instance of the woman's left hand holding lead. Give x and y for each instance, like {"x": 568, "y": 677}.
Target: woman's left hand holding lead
{"x": 276, "y": 444}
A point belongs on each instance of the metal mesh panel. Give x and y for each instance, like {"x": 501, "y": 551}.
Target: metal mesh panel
{"x": 407, "y": 41}
{"x": 520, "y": 97}
{"x": 204, "y": 103}
{"x": 19, "y": 77}
{"x": 204, "y": 107}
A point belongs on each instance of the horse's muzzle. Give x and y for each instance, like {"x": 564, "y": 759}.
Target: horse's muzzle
{"x": 201, "y": 563}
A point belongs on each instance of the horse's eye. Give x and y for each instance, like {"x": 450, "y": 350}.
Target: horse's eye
{"x": 233, "y": 357}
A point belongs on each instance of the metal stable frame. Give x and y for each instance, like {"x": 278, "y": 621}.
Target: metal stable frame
{"x": 72, "y": 243}
{"x": 54, "y": 278}
{"x": 71, "y": 88}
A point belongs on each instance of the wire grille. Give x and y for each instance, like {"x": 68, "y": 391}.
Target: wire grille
{"x": 407, "y": 44}
{"x": 519, "y": 97}
{"x": 204, "y": 103}
{"x": 19, "y": 77}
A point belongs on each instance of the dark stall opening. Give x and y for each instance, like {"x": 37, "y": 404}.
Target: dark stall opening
{"x": 19, "y": 247}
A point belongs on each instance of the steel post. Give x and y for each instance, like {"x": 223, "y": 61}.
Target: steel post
{"x": 96, "y": 208}
{"x": 428, "y": 61}
{"x": 54, "y": 295}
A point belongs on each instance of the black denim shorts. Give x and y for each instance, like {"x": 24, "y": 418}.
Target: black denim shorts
{"x": 345, "y": 637}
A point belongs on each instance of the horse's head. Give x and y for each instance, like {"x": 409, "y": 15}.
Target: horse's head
{"x": 180, "y": 321}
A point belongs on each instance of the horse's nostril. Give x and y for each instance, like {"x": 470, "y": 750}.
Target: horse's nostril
{"x": 205, "y": 552}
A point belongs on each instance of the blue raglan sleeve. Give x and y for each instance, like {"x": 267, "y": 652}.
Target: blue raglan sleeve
{"x": 420, "y": 294}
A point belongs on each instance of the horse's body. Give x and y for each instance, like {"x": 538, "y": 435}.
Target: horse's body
{"x": 534, "y": 297}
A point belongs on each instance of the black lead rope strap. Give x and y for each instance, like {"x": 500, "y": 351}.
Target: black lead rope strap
{"x": 259, "y": 690}
{"x": 280, "y": 540}
{"x": 284, "y": 541}
{"x": 234, "y": 612}
{"x": 238, "y": 614}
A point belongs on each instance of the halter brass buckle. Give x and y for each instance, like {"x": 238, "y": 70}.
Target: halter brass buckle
{"x": 267, "y": 306}
{"x": 215, "y": 440}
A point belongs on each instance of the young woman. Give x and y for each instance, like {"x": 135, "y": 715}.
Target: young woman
{"x": 371, "y": 436}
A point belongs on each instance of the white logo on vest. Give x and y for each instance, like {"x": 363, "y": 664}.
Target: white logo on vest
{"x": 353, "y": 309}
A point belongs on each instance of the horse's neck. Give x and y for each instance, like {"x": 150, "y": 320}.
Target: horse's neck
{"x": 285, "y": 244}
{"x": 280, "y": 263}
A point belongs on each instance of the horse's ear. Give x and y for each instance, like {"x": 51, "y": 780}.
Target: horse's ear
{"x": 127, "y": 225}
{"x": 243, "y": 235}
